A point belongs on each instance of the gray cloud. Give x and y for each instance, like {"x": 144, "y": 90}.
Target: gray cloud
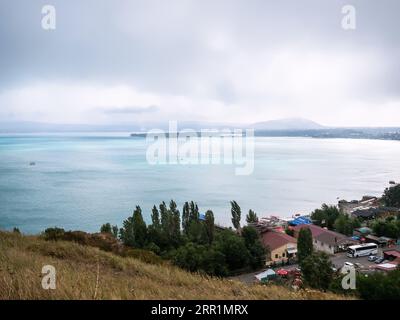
{"x": 210, "y": 60}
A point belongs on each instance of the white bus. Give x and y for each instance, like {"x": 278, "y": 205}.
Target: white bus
{"x": 361, "y": 250}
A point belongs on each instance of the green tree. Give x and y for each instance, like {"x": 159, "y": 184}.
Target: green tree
{"x": 194, "y": 214}
{"x": 317, "y": 270}
{"x": 346, "y": 225}
{"x": 236, "y": 215}
{"x": 209, "y": 225}
{"x": 114, "y": 231}
{"x": 233, "y": 248}
{"x": 304, "y": 244}
{"x": 106, "y": 228}
{"x": 391, "y": 196}
{"x": 185, "y": 217}
{"x": 139, "y": 228}
{"x": 194, "y": 257}
{"x": 326, "y": 216}
{"x": 155, "y": 218}
{"x": 254, "y": 246}
{"x": 175, "y": 223}
{"x": 197, "y": 233}
{"x": 134, "y": 230}
{"x": 164, "y": 217}
{"x": 388, "y": 228}
{"x": 378, "y": 286}
{"x": 251, "y": 217}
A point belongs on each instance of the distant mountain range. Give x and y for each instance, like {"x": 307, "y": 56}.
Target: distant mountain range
{"x": 281, "y": 124}
{"x": 288, "y": 127}
{"x": 288, "y": 124}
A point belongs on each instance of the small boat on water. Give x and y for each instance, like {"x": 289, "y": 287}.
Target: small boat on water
{"x": 32, "y": 163}
{"x": 392, "y": 182}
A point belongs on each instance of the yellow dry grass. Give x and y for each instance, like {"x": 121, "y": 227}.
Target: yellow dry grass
{"x": 89, "y": 273}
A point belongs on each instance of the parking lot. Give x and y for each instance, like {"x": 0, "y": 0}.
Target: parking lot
{"x": 340, "y": 258}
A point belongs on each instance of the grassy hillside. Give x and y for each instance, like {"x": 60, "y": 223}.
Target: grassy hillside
{"x": 85, "y": 272}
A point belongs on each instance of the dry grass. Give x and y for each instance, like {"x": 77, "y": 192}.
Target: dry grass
{"x": 89, "y": 273}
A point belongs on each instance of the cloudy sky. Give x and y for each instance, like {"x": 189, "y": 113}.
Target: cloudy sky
{"x": 121, "y": 61}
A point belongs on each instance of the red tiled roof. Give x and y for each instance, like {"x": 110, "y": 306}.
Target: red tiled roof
{"x": 315, "y": 230}
{"x": 275, "y": 240}
{"x": 323, "y": 235}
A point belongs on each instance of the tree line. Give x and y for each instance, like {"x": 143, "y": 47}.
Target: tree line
{"x": 193, "y": 241}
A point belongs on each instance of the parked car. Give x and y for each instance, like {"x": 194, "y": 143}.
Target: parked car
{"x": 379, "y": 260}
{"x": 349, "y": 264}
{"x": 372, "y": 258}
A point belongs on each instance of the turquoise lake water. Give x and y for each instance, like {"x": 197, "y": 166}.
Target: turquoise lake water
{"x": 83, "y": 181}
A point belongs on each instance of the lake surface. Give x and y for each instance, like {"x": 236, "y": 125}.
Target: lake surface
{"x": 83, "y": 181}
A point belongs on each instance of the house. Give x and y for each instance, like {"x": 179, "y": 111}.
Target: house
{"x": 326, "y": 240}
{"x": 281, "y": 246}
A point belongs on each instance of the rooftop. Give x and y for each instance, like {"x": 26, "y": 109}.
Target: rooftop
{"x": 324, "y": 235}
{"x": 276, "y": 240}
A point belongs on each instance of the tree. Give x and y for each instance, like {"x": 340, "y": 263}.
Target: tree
{"x": 378, "y": 286}
{"x": 209, "y": 225}
{"x": 155, "y": 218}
{"x": 185, "y": 217}
{"x": 16, "y": 230}
{"x": 175, "y": 223}
{"x": 164, "y": 217}
{"x": 254, "y": 246}
{"x": 106, "y": 228}
{"x": 194, "y": 214}
{"x": 251, "y": 217}
{"x": 389, "y": 228}
{"x": 391, "y": 196}
{"x": 346, "y": 225}
{"x": 233, "y": 248}
{"x": 317, "y": 270}
{"x": 139, "y": 227}
{"x": 114, "y": 231}
{"x": 197, "y": 232}
{"x": 326, "y": 216}
{"x": 304, "y": 244}
{"x": 189, "y": 257}
{"x": 134, "y": 230}
{"x": 194, "y": 257}
{"x": 236, "y": 215}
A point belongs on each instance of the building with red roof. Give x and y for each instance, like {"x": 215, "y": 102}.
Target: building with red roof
{"x": 326, "y": 240}
{"x": 281, "y": 247}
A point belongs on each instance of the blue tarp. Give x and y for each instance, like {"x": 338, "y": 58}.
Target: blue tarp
{"x": 299, "y": 221}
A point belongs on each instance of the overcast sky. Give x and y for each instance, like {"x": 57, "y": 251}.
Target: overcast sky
{"x": 227, "y": 61}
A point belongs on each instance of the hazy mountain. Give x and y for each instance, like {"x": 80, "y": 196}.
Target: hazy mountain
{"x": 288, "y": 124}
